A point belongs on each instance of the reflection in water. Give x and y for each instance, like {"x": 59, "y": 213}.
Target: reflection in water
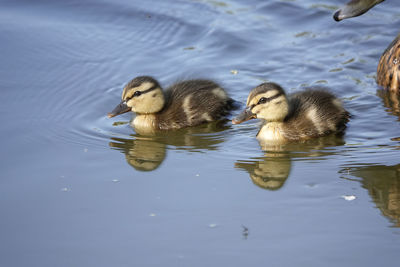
{"x": 142, "y": 154}
{"x": 391, "y": 100}
{"x": 383, "y": 184}
{"x": 146, "y": 153}
{"x": 271, "y": 171}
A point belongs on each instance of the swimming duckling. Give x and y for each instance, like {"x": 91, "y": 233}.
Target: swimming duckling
{"x": 388, "y": 73}
{"x": 186, "y": 103}
{"x": 299, "y": 116}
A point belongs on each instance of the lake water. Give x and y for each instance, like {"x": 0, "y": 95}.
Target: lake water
{"x": 79, "y": 189}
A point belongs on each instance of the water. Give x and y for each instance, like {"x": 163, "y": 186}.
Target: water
{"x": 79, "y": 189}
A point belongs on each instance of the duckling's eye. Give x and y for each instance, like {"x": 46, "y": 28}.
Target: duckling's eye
{"x": 262, "y": 100}
{"x": 137, "y": 93}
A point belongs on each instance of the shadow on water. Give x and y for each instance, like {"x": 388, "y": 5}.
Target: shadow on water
{"x": 146, "y": 153}
{"x": 273, "y": 169}
{"x": 383, "y": 185}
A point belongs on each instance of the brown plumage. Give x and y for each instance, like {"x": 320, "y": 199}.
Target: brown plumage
{"x": 388, "y": 73}
{"x": 184, "y": 104}
{"x": 330, "y": 115}
{"x": 299, "y": 116}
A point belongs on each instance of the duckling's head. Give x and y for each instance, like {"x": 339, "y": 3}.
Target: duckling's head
{"x": 142, "y": 95}
{"x": 267, "y": 101}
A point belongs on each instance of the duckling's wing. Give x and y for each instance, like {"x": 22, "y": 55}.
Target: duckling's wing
{"x": 193, "y": 102}
{"x": 315, "y": 113}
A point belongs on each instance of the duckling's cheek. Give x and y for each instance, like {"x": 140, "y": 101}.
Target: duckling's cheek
{"x": 130, "y": 103}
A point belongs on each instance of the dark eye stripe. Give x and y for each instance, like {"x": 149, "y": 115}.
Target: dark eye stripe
{"x": 267, "y": 99}
{"x": 138, "y": 93}
{"x": 150, "y": 89}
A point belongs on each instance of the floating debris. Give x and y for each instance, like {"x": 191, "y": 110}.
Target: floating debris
{"x": 115, "y": 180}
{"x": 312, "y": 185}
{"x": 335, "y": 70}
{"x": 349, "y": 197}
{"x": 197, "y": 175}
{"x": 65, "y": 189}
{"x": 234, "y": 72}
{"x": 245, "y": 232}
{"x": 305, "y": 34}
{"x": 212, "y": 225}
{"x": 152, "y": 214}
{"x": 322, "y": 81}
{"x": 348, "y": 61}
{"x": 118, "y": 123}
{"x": 189, "y": 48}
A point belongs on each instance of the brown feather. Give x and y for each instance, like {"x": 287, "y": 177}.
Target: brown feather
{"x": 331, "y": 118}
{"x": 388, "y": 73}
{"x": 201, "y": 101}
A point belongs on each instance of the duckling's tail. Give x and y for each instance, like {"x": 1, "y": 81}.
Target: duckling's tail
{"x": 342, "y": 124}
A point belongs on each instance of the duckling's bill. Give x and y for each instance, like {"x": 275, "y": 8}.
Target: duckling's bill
{"x": 119, "y": 109}
{"x": 245, "y": 115}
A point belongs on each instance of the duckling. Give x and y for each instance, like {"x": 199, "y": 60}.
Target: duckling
{"x": 388, "y": 73}
{"x": 299, "y": 116}
{"x": 184, "y": 104}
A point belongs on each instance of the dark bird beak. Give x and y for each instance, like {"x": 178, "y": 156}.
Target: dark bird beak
{"x": 354, "y": 8}
{"x": 244, "y": 116}
{"x": 119, "y": 109}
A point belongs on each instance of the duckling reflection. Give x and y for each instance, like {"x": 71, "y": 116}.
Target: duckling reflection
{"x": 383, "y": 185}
{"x": 146, "y": 153}
{"x": 141, "y": 154}
{"x": 271, "y": 171}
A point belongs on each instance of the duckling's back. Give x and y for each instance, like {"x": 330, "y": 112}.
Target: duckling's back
{"x": 314, "y": 113}
{"x": 192, "y": 102}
